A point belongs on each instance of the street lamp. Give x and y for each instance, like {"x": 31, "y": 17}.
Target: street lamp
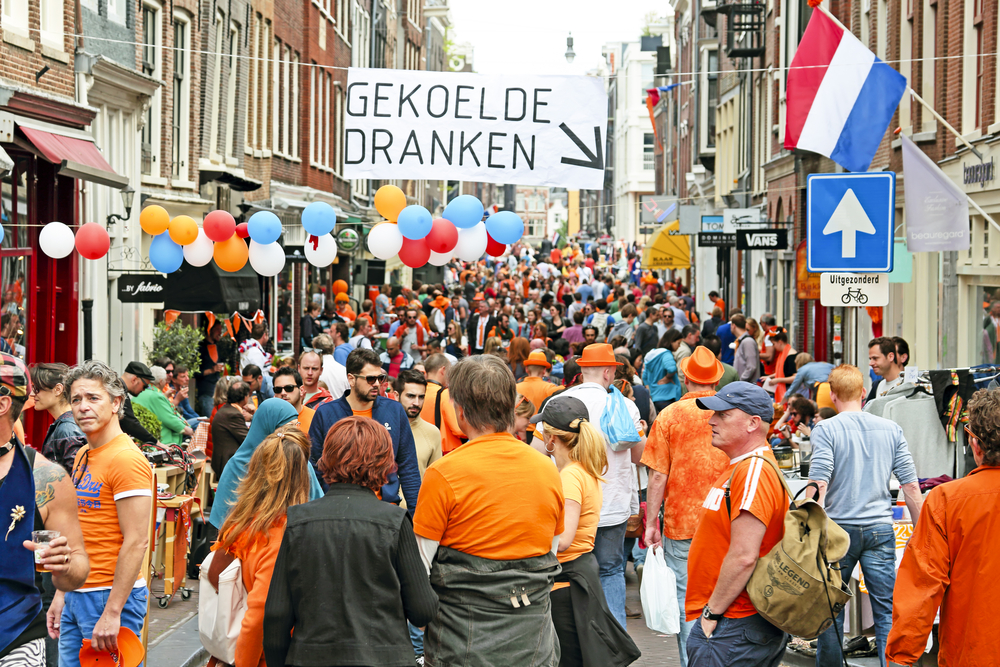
{"x": 127, "y": 194}
{"x": 569, "y": 49}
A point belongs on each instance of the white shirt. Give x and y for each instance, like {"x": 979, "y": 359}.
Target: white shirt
{"x": 619, "y": 478}
{"x": 334, "y": 376}
{"x": 407, "y": 342}
{"x": 481, "y": 331}
{"x": 885, "y": 386}
{"x": 360, "y": 342}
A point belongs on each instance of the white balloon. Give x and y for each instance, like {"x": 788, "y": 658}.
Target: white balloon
{"x": 199, "y": 252}
{"x": 384, "y": 240}
{"x": 471, "y": 243}
{"x": 324, "y": 252}
{"x": 56, "y": 240}
{"x": 439, "y": 258}
{"x": 267, "y": 259}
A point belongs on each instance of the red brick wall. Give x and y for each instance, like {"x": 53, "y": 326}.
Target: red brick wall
{"x": 19, "y": 65}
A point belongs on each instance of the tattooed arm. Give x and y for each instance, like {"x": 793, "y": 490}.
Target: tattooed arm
{"x": 55, "y": 498}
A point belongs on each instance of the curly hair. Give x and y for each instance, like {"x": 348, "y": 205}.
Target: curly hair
{"x": 984, "y": 421}
{"x": 357, "y": 450}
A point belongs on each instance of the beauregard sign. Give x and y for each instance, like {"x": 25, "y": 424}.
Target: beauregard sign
{"x": 144, "y": 288}
{"x": 979, "y": 173}
{"x": 531, "y": 130}
{"x": 761, "y": 239}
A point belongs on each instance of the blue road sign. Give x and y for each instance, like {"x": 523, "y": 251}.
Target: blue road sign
{"x": 850, "y": 222}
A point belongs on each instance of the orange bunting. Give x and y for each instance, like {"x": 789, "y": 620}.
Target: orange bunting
{"x": 229, "y": 328}
{"x": 211, "y": 319}
{"x": 258, "y": 317}
{"x": 169, "y": 317}
{"x": 237, "y": 320}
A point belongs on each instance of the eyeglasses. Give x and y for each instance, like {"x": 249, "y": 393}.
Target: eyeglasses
{"x": 285, "y": 389}
{"x": 373, "y": 379}
{"x": 968, "y": 432}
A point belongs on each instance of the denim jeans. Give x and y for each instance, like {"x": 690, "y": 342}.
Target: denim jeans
{"x": 609, "y": 549}
{"x": 875, "y": 547}
{"x": 81, "y": 613}
{"x": 737, "y": 642}
{"x": 675, "y": 553}
{"x": 416, "y": 638}
{"x": 205, "y": 404}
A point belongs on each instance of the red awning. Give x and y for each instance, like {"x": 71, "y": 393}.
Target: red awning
{"x": 79, "y": 158}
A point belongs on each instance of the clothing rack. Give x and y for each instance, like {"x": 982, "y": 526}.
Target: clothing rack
{"x": 924, "y": 376}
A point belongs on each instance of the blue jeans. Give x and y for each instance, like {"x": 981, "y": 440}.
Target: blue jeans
{"x": 81, "y": 613}
{"x": 737, "y": 642}
{"x": 638, "y": 555}
{"x": 875, "y": 547}
{"x": 416, "y": 638}
{"x": 205, "y": 404}
{"x": 675, "y": 553}
{"x": 609, "y": 549}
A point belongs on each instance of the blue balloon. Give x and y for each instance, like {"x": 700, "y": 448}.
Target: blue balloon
{"x": 2, "y": 233}
{"x": 264, "y": 227}
{"x": 165, "y": 255}
{"x": 318, "y": 218}
{"x": 505, "y": 227}
{"x": 464, "y": 211}
{"x": 414, "y": 222}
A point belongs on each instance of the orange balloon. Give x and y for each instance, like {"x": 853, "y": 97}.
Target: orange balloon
{"x": 154, "y": 220}
{"x": 183, "y": 230}
{"x": 339, "y": 286}
{"x": 389, "y": 201}
{"x": 231, "y": 255}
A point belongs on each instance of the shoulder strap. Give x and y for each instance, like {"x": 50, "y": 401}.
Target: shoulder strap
{"x": 30, "y": 453}
{"x": 729, "y": 509}
{"x": 437, "y": 407}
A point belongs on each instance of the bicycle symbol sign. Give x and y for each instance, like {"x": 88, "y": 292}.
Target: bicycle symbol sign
{"x": 854, "y": 289}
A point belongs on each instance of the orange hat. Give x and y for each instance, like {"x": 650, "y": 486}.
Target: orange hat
{"x": 440, "y": 302}
{"x": 537, "y": 358}
{"x": 400, "y": 301}
{"x": 702, "y": 367}
{"x": 598, "y": 354}
{"x": 130, "y": 652}
{"x": 479, "y": 296}
{"x": 341, "y": 296}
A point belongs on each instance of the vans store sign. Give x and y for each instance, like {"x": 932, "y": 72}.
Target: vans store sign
{"x": 531, "y": 130}
{"x": 762, "y": 239}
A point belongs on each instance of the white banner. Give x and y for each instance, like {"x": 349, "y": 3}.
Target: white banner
{"x": 854, "y": 289}
{"x": 528, "y": 130}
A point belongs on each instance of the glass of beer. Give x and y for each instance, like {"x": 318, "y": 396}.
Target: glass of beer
{"x": 41, "y": 538}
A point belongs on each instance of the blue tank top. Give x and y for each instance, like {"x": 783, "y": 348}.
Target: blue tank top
{"x": 20, "y": 601}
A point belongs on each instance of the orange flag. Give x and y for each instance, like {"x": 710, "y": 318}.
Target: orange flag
{"x": 229, "y": 328}
{"x": 211, "y": 318}
{"x": 170, "y": 316}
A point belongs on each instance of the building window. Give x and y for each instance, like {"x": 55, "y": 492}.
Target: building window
{"x": 151, "y": 67}
{"x": 338, "y": 130}
{"x": 362, "y": 28}
{"x": 293, "y": 149}
{"x": 882, "y": 29}
{"x": 265, "y": 80}
{"x": 321, "y": 117}
{"x": 215, "y": 113}
{"x": 648, "y": 155}
{"x": 928, "y": 55}
{"x": 15, "y": 16}
{"x": 712, "y": 69}
{"x": 978, "y": 26}
{"x": 413, "y": 11}
{"x": 234, "y": 44}
{"x": 50, "y": 22}
{"x": 254, "y": 69}
{"x": 276, "y": 110}
{"x": 286, "y": 119}
{"x": 343, "y": 16}
{"x": 313, "y": 129}
{"x": 181, "y": 99}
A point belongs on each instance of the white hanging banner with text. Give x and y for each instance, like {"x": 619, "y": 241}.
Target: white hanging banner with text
{"x": 526, "y": 130}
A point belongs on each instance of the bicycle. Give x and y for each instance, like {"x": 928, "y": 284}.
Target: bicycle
{"x": 854, "y": 294}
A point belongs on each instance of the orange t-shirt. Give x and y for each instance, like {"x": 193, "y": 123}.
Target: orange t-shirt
{"x": 757, "y": 489}
{"x": 493, "y": 498}
{"x": 363, "y": 413}
{"x": 113, "y": 472}
{"x": 536, "y": 390}
{"x": 306, "y": 418}
{"x": 580, "y": 486}
{"x": 680, "y": 447}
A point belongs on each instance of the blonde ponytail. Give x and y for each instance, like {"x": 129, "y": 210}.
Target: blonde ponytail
{"x": 586, "y": 447}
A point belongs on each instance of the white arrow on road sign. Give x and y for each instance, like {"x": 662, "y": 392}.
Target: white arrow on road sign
{"x": 849, "y": 218}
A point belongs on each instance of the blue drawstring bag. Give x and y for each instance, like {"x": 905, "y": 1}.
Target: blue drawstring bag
{"x": 616, "y": 422}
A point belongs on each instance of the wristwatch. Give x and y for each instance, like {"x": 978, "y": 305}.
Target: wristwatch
{"x": 707, "y": 614}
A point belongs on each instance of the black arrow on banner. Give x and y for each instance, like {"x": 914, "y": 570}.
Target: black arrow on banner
{"x": 593, "y": 161}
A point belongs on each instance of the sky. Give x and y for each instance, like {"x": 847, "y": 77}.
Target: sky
{"x": 529, "y": 36}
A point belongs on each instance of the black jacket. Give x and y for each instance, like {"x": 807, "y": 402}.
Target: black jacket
{"x": 603, "y": 642}
{"x": 347, "y": 578}
{"x": 474, "y": 326}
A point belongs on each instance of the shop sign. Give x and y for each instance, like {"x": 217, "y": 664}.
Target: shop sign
{"x": 142, "y": 288}
{"x": 979, "y": 173}
{"x": 347, "y": 239}
{"x": 854, "y": 289}
{"x": 806, "y": 282}
{"x": 762, "y": 239}
{"x": 716, "y": 240}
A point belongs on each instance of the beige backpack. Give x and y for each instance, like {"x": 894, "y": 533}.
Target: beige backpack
{"x": 798, "y": 586}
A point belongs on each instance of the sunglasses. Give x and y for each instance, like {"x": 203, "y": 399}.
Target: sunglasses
{"x": 287, "y": 388}
{"x": 169, "y": 371}
{"x": 373, "y": 379}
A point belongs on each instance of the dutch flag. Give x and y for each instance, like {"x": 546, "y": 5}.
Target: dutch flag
{"x": 840, "y": 97}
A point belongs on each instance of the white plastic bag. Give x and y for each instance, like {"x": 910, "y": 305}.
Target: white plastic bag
{"x": 220, "y": 613}
{"x": 659, "y": 594}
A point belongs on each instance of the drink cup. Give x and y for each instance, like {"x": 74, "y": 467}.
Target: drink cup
{"x": 41, "y": 538}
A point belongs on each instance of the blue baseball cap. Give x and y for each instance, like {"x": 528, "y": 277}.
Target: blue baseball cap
{"x": 744, "y": 396}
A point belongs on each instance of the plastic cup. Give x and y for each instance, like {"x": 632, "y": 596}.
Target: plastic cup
{"x": 41, "y": 538}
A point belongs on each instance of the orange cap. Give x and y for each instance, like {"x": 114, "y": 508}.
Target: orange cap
{"x": 702, "y": 367}
{"x": 598, "y": 354}
{"x": 130, "y": 652}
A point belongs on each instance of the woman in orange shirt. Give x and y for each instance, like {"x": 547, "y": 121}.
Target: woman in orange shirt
{"x": 277, "y": 478}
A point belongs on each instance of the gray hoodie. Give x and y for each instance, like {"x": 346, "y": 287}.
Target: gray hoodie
{"x": 747, "y": 361}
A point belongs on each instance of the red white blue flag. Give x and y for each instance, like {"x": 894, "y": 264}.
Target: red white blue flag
{"x": 840, "y": 97}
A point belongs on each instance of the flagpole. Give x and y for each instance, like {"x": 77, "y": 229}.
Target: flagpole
{"x": 951, "y": 129}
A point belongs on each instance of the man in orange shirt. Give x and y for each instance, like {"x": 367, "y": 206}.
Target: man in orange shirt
{"x": 952, "y": 547}
{"x": 488, "y": 524}
{"x": 533, "y": 387}
{"x": 683, "y": 465}
{"x": 741, "y": 521}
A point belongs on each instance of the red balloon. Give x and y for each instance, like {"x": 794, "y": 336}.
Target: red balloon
{"x": 414, "y": 253}
{"x": 443, "y": 236}
{"x": 555, "y": 256}
{"x": 92, "y": 241}
{"x": 241, "y": 230}
{"x": 494, "y": 248}
{"x": 219, "y": 226}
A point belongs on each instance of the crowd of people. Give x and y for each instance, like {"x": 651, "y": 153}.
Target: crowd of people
{"x": 435, "y": 479}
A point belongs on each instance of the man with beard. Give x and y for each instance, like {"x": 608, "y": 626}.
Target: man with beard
{"x": 411, "y": 386}
{"x": 366, "y": 376}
